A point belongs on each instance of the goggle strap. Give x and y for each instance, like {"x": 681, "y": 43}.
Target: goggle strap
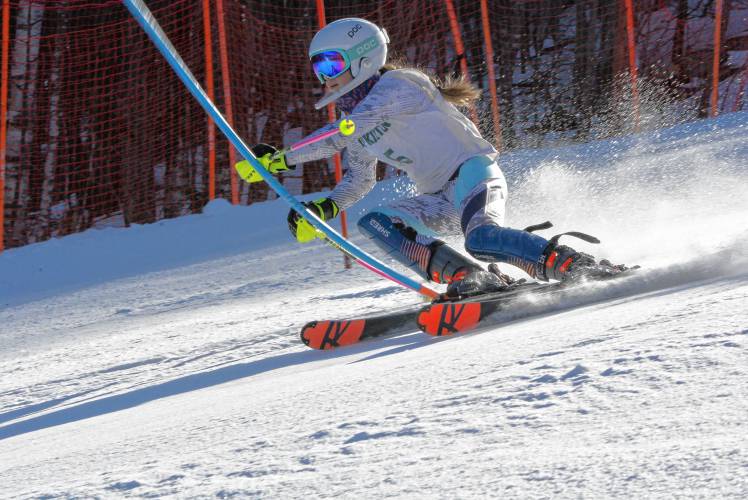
{"x": 362, "y": 48}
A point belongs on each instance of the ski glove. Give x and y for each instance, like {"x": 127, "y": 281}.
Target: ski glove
{"x": 269, "y": 157}
{"x": 303, "y": 231}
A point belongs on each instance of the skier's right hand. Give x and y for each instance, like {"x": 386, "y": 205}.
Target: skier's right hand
{"x": 301, "y": 229}
{"x": 269, "y": 157}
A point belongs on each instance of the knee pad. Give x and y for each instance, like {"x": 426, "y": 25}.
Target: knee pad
{"x": 480, "y": 193}
{"x": 474, "y": 172}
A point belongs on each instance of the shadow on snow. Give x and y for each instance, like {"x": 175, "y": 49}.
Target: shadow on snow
{"x": 188, "y": 383}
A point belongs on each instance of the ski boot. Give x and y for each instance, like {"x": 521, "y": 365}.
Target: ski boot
{"x": 476, "y": 281}
{"x": 430, "y": 258}
{"x": 563, "y": 263}
{"x": 464, "y": 278}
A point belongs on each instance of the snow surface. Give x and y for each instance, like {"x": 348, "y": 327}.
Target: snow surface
{"x": 165, "y": 359}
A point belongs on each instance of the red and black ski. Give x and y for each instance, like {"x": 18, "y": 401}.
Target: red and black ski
{"x": 438, "y": 318}
{"x": 450, "y": 317}
{"x": 330, "y": 334}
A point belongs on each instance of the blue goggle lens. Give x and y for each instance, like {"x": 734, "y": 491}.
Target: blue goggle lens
{"x": 329, "y": 64}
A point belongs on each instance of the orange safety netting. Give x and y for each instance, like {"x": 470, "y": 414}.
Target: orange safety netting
{"x": 101, "y": 132}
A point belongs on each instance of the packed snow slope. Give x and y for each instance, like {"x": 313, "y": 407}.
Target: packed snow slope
{"x": 165, "y": 359}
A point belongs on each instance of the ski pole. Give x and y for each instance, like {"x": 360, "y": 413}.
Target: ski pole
{"x": 346, "y": 128}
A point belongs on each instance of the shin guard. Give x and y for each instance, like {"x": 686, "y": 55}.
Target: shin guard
{"x": 430, "y": 258}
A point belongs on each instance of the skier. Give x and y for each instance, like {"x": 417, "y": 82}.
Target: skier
{"x": 409, "y": 120}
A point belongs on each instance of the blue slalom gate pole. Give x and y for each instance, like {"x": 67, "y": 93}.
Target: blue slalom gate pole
{"x": 145, "y": 18}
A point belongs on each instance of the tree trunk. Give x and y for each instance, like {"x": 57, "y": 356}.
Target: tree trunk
{"x": 22, "y": 96}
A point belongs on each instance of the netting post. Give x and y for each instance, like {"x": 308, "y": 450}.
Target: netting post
{"x": 226, "y": 79}
{"x": 210, "y": 90}
{"x": 491, "y": 73}
{"x": 715, "y": 62}
{"x": 633, "y": 71}
{"x": 331, "y": 117}
{"x": 454, "y": 26}
{"x": 4, "y": 115}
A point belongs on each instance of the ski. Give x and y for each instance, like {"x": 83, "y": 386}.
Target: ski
{"x": 439, "y": 318}
{"x": 329, "y": 334}
{"x": 450, "y": 317}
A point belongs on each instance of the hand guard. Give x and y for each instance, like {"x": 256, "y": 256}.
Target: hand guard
{"x": 269, "y": 157}
{"x": 303, "y": 231}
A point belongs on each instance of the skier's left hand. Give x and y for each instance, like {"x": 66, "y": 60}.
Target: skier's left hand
{"x": 303, "y": 231}
{"x": 269, "y": 157}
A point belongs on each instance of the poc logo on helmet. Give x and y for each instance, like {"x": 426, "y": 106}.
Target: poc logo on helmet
{"x": 354, "y": 30}
{"x": 365, "y": 46}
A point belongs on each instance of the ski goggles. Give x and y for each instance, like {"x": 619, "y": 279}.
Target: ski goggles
{"x": 329, "y": 64}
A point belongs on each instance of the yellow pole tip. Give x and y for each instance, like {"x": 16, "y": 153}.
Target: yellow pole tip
{"x": 347, "y": 127}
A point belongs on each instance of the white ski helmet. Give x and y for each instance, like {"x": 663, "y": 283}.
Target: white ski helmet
{"x": 351, "y": 43}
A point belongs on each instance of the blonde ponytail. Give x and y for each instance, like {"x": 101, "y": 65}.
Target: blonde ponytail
{"x": 455, "y": 89}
